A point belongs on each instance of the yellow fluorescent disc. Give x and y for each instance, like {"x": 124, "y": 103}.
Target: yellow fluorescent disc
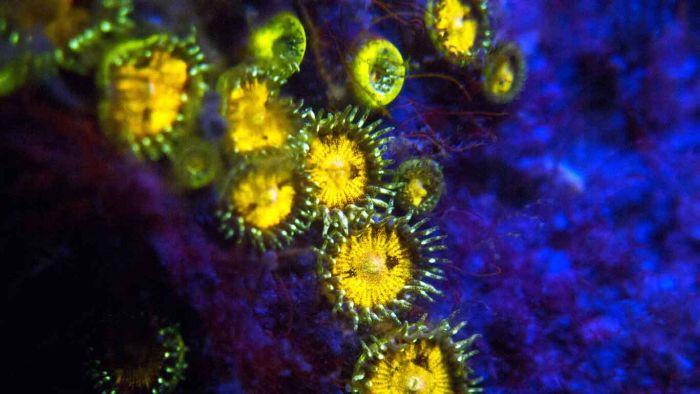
{"x": 416, "y": 191}
{"x": 256, "y": 119}
{"x": 146, "y": 99}
{"x": 379, "y": 268}
{"x": 150, "y": 92}
{"x": 338, "y": 166}
{"x": 422, "y": 184}
{"x": 373, "y": 267}
{"x": 416, "y": 358}
{"x": 420, "y": 367}
{"x": 264, "y": 199}
{"x": 459, "y": 29}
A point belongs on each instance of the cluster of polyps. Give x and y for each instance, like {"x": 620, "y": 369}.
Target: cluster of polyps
{"x": 278, "y": 168}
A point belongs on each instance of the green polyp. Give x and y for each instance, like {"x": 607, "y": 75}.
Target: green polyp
{"x": 279, "y": 45}
{"x": 504, "y": 73}
{"x": 377, "y": 72}
{"x": 420, "y": 185}
{"x": 196, "y": 163}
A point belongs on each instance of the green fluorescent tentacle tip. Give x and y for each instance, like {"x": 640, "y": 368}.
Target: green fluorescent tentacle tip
{"x": 75, "y": 31}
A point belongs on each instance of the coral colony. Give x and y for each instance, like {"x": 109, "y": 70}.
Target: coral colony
{"x": 306, "y": 206}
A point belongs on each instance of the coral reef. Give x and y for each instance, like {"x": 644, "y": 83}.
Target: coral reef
{"x": 302, "y": 265}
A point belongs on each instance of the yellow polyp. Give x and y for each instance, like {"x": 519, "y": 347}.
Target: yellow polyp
{"x": 373, "y": 267}
{"x": 264, "y": 198}
{"x": 457, "y": 26}
{"x": 147, "y": 98}
{"x": 256, "y": 119}
{"x": 420, "y": 367}
{"x": 503, "y": 79}
{"x": 416, "y": 191}
{"x": 339, "y": 168}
